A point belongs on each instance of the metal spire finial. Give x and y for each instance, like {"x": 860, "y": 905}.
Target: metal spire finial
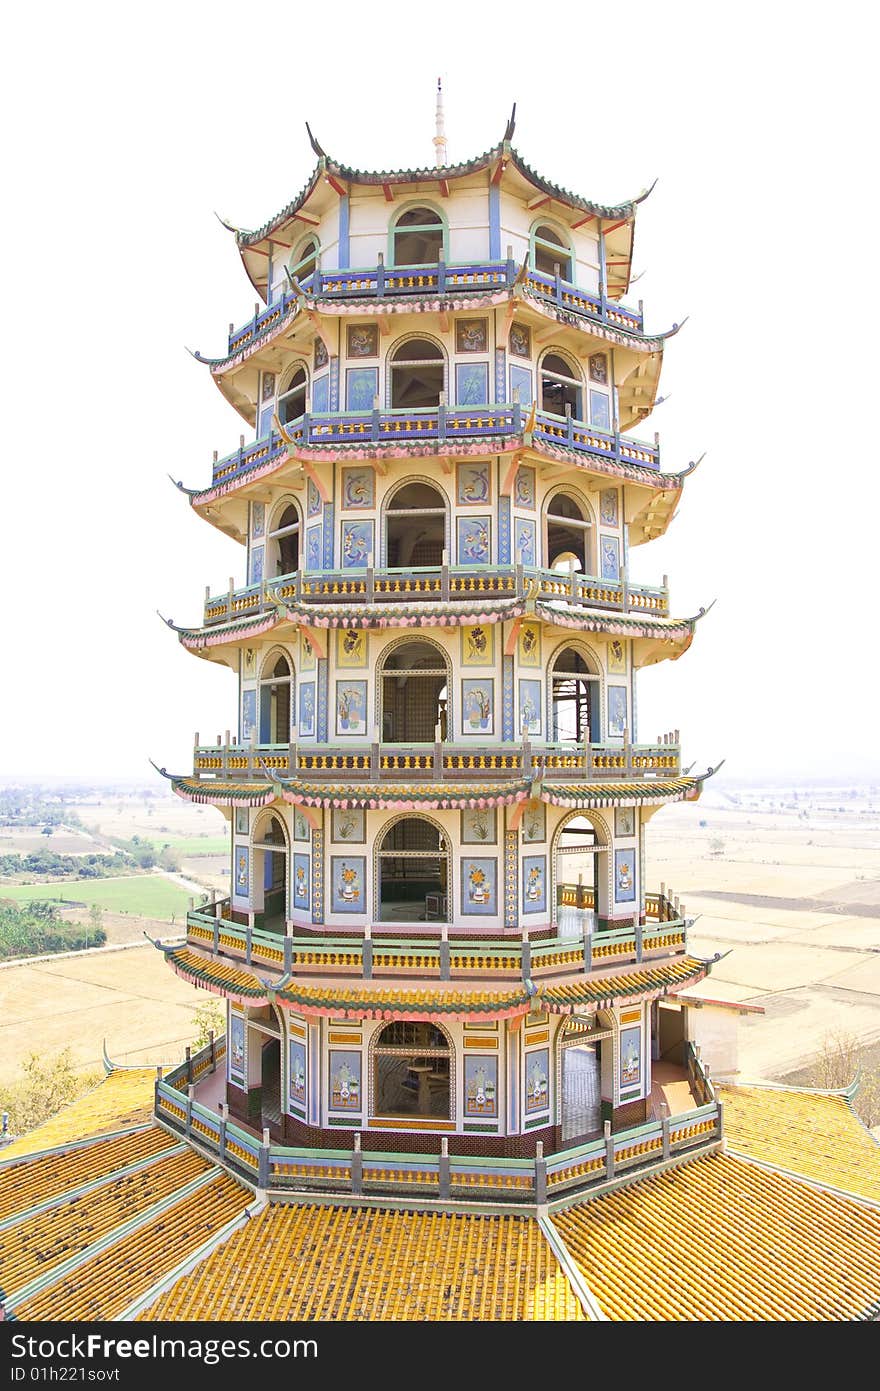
{"x": 440, "y": 135}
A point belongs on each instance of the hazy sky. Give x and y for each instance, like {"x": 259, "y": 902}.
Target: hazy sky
{"x": 124, "y": 128}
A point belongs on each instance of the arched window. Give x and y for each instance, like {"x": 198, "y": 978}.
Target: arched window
{"x": 568, "y": 534}
{"x": 414, "y": 693}
{"x": 286, "y": 538}
{"x": 412, "y": 1063}
{"x": 417, "y": 238}
{"x": 304, "y": 261}
{"x": 574, "y": 699}
{"x": 292, "y": 401}
{"x": 561, "y": 386}
{"x": 550, "y": 251}
{"x": 415, "y": 527}
{"x": 576, "y": 875}
{"x": 416, "y": 375}
{"x": 276, "y": 701}
{"x": 413, "y": 867}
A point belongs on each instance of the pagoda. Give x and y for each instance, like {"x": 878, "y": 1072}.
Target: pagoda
{"x": 441, "y": 938}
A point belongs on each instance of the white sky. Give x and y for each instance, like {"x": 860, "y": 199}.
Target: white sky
{"x": 124, "y": 128}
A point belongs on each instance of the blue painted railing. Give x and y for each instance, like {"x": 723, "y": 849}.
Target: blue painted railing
{"x": 441, "y": 423}
{"x": 383, "y": 281}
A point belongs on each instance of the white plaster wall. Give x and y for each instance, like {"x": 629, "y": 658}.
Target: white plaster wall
{"x": 716, "y": 1031}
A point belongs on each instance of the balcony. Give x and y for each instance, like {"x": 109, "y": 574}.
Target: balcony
{"x": 383, "y": 282}
{"x": 446, "y": 425}
{"x": 442, "y": 583}
{"x": 439, "y": 762}
{"x": 187, "y": 1103}
{"x": 448, "y": 951}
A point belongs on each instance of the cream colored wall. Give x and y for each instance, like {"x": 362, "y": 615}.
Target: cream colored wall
{"x": 517, "y": 222}
{"x": 716, "y": 1032}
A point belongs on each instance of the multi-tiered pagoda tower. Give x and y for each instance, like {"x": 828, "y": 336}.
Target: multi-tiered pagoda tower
{"x": 441, "y": 925}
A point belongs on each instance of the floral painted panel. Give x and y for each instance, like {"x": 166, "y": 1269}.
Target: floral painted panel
{"x": 473, "y": 540}
{"x": 348, "y": 881}
{"x": 358, "y": 488}
{"x": 357, "y": 544}
{"x": 534, "y": 883}
{"x": 478, "y": 706}
{"x": 473, "y": 486}
{"x": 479, "y": 879}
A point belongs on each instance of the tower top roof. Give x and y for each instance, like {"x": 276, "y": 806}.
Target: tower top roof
{"x": 331, "y": 179}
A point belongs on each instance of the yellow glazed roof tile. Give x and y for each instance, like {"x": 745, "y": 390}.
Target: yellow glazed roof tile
{"x": 107, "y": 1283}
{"x": 123, "y": 1099}
{"x": 340, "y": 1263}
{"x": 38, "y": 1179}
{"x": 812, "y": 1134}
{"x": 721, "y": 1239}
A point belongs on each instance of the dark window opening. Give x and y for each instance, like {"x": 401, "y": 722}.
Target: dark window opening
{"x": 418, "y": 238}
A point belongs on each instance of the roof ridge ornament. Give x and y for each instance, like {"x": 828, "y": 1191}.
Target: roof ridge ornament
{"x": 510, "y": 127}
{"x": 322, "y": 154}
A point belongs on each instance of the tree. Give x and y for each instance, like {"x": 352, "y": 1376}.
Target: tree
{"x": 47, "y": 830}
{"x": 45, "y": 1085}
{"x": 206, "y": 1017}
{"x": 716, "y": 846}
{"x": 840, "y": 1060}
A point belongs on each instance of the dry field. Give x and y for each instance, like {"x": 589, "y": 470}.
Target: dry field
{"x": 795, "y": 904}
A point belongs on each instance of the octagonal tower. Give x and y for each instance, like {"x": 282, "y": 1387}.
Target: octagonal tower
{"x": 440, "y": 932}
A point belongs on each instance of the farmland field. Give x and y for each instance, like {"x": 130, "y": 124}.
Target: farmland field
{"x": 147, "y": 895}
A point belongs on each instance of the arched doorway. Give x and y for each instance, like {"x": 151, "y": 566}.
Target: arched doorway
{"x": 414, "y": 693}
{"x": 271, "y": 875}
{"x": 412, "y": 1071}
{"x": 417, "y": 375}
{"x": 581, "y": 1046}
{"x": 283, "y": 539}
{"x": 569, "y": 534}
{"x": 576, "y": 856}
{"x": 415, "y": 526}
{"x": 561, "y": 386}
{"x": 413, "y": 872}
{"x": 276, "y": 700}
{"x": 574, "y": 699}
{"x": 292, "y": 401}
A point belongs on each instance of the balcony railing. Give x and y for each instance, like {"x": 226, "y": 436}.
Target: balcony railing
{"x": 440, "y": 279}
{"x": 446, "y": 424}
{"x": 579, "y": 1169}
{"x": 444, "y": 952}
{"x": 439, "y": 761}
{"x": 386, "y": 585}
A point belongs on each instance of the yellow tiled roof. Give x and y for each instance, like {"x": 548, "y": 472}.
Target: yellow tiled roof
{"x": 719, "y": 1238}
{"x": 37, "y": 1180}
{"x": 45, "y": 1240}
{"x": 339, "y": 1263}
{"x": 107, "y": 1283}
{"x": 814, "y": 1135}
{"x": 122, "y": 1099}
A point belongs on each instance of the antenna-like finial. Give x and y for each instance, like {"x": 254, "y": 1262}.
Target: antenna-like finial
{"x": 440, "y": 136}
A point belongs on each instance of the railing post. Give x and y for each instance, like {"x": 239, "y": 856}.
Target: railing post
{"x": 588, "y": 947}
{"x": 526, "y": 757}
{"x": 263, "y": 1162}
{"x": 444, "y": 576}
{"x": 637, "y": 932}
{"x": 357, "y": 1167}
{"x": 380, "y": 276}
{"x": 438, "y": 754}
{"x": 189, "y": 1106}
{"x": 216, "y": 935}
{"x": 609, "y": 1151}
{"x": 288, "y": 948}
{"x": 441, "y": 272}
{"x": 557, "y": 286}
{"x": 367, "y": 953}
{"x": 374, "y": 755}
{"x": 221, "y": 1141}
{"x": 444, "y": 1178}
{"x": 445, "y": 955}
{"x": 374, "y": 428}
{"x": 213, "y": 1049}
{"x": 526, "y": 955}
{"x": 516, "y": 423}
{"x": 441, "y": 417}
{"x": 189, "y": 1065}
{"x": 664, "y": 1127}
{"x": 624, "y": 589}
{"x": 719, "y": 1124}
{"x": 371, "y": 578}
{"x": 294, "y": 756}
{"x": 248, "y": 940}
{"x": 569, "y": 426}
{"x": 540, "y": 1175}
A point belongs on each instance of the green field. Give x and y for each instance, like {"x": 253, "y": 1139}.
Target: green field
{"x": 146, "y": 895}
{"x": 196, "y": 845}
